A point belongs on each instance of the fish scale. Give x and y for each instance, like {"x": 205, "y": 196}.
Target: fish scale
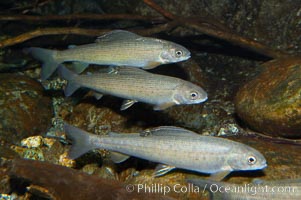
{"x": 135, "y": 85}
{"x": 108, "y": 53}
{"x": 173, "y": 146}
{"x": 189, "y": 149}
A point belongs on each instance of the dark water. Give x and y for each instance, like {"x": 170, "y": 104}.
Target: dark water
{"x": 33, "y": 108}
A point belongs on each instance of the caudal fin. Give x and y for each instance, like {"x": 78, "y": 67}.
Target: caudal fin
{"x": 70, "y": 76}
{"x": 80, "y": 141}
{"x": 47, "y": 57}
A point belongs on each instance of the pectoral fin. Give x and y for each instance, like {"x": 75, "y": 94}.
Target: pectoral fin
{"x": 219, "y": 176}
{"x": 164, "y": 106}
{"x": 127, "y": 103}
{"x": 118, "y": 157}
{"x": 151, "y": 65}
{"x": 162, "y": 169}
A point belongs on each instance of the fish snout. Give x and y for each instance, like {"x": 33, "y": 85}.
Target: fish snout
{"x": 203, "y": 97}
{"x": 264, "y": 164}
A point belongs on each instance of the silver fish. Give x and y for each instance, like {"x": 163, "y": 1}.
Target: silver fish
{"x": 136, "y": 85}
{"x": 174, "y": 147}
{"x": 264, "y": 190}
{"x": 116, "y": 48}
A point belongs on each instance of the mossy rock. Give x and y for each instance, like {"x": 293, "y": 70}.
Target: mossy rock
{"x": 271, "y": 103}
{"x": 24, "y": 108}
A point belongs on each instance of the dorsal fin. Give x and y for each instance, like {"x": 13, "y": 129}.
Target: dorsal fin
{"x": 117, "y": 35}
{"x": 125, "y": 70}
{"x": 163, "y": 106}
{"x": 130, "y": 70}
{"x": 167, "y": 131}
{"x": 219, "y": 176}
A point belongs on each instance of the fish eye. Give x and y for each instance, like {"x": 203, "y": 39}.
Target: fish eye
{"x": 193, "y": 95}
{"x": 179, "y": 53}
{"x": 251, "y": 160}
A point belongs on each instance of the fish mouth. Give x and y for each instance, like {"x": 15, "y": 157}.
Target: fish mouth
{"x": 184, "y": 58}
{"x": 264, "y": 165}
{"x": 199, "y": 101}
{"x": 203, "y": 100}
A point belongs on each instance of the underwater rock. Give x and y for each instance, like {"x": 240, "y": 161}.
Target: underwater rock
{"x": 24, "y": 109}
{"x": 58, "y": 182}
{"x": 7, "y": 153}
{"x": 4, "y": 183}
{"x": 270, "y": 103}
{"x": 43, "y": 149}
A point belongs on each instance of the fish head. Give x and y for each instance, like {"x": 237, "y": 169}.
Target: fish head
{"x": 247, "y": 159}
{"x": 173, "y": 53}
{"x": 189, "y": 93}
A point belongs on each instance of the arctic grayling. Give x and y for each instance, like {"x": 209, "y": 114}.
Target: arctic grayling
{"x": 115, "y": 48}
{"x": 137, "y": 85}
{"x": 172, "y": 146}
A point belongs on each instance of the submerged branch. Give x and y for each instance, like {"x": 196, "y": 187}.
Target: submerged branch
{"x": 159, "y": 9}
{"x": 58, "y": 182}
{"x": 234, "y": 39}
{"x": 216, "y": 30}
{"x": 273, "y": 139}
{"x": 81, "y": 17}
{"x": 50, "y": 31}
{"x": 206, "y": 26}
{"x": 79, "y": 31}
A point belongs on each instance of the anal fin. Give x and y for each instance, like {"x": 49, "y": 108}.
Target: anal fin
{"x": 151, "y": 65}
{"x": 219, "y": 176}
{"x": 163, "y": 106}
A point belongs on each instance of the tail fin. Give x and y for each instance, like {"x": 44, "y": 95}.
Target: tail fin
{"x": 80, "y": 141}
{"x": 47, "y": 57}
{"x": 70, "y": 76}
